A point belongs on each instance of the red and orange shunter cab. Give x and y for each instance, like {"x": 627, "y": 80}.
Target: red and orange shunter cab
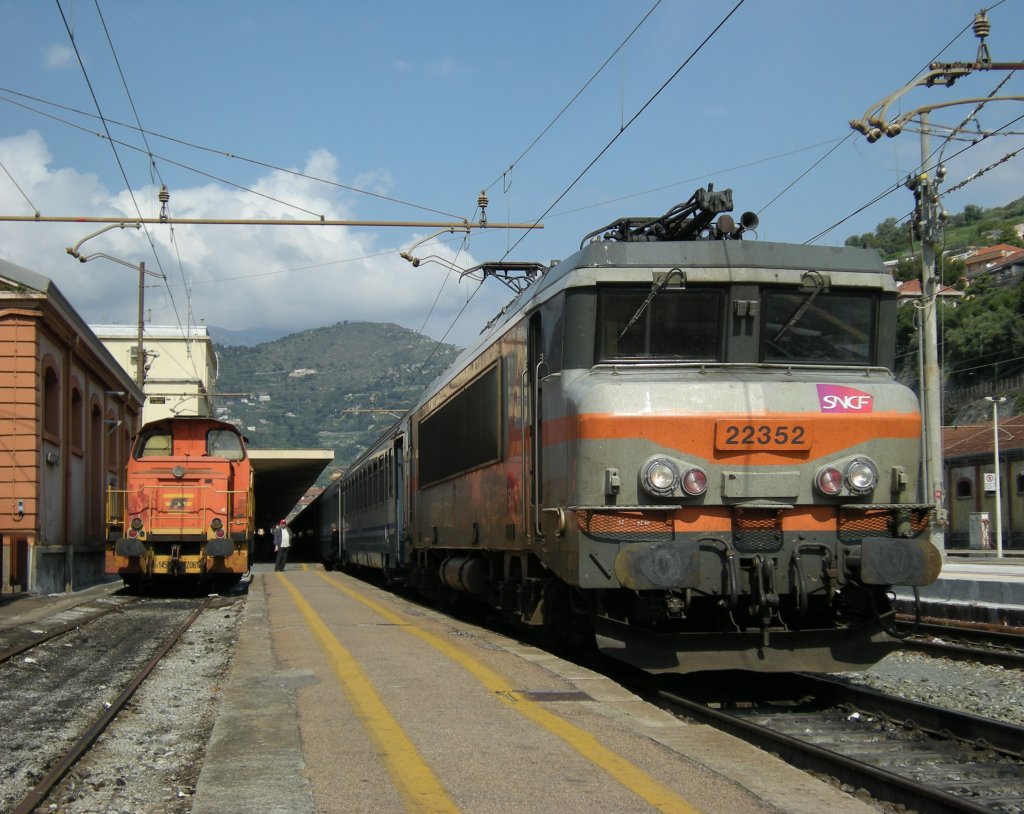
{"x": 186, "y": 510}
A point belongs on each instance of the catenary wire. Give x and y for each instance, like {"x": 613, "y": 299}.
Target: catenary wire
{"x": 625, "y": 127}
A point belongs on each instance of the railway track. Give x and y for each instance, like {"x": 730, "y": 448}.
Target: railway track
{"x": 60, "y": 693}
{"x": 923, "y": 757}
{"x": 1003, "y": 648}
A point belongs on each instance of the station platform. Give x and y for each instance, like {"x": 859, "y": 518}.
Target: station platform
{"x": 975, "y": 587}
{"x": 344, "y": 698}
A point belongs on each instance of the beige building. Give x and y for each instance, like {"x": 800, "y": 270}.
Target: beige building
{"x": 68, "y": 412}
{"x": 181, "y": 367}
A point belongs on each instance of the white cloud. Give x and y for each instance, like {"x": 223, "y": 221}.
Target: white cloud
{"x": 287, "y": 277}
{"x": 56, "y": 57}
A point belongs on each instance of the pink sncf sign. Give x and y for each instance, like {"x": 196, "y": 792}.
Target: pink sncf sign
{"x": 835, "y": 399}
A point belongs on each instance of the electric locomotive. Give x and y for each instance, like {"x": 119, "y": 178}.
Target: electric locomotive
{"x": 185, "y": 513}
{"x": 688, "y": 444}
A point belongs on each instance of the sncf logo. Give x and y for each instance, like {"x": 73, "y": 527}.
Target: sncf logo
{"x": 835, "y": 399}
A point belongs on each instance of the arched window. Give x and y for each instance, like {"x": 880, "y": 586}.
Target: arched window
{"x": 77, "y": 419}
{"x": 51, "y": 402}
{"x": 963, "y": 489}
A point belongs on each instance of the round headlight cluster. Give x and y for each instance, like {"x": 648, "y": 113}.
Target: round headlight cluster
{"x": 859, "y": 476}
{"x": 661, "y": 477}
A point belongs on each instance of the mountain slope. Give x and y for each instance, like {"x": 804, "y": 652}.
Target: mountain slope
{"x": 326, "y": 387}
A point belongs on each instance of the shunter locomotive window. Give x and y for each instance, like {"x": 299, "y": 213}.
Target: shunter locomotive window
{"x": 154, "y": 443}
{"x": 224, "y": 444}
{"x": 832, "y": 328}
{"x": 674, "y": 324}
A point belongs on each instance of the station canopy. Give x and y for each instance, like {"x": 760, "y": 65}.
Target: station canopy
{"x": 281, "y": 477}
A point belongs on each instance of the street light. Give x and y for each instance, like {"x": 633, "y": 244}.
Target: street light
{"x": 140, "y": 356}
{"x": 996, "y": 401}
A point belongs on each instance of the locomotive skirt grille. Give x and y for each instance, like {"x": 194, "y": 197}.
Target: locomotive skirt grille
{"x": 757, "y": 531}
{"x": 882, "y": 521}
{"x": 625, "y": 526}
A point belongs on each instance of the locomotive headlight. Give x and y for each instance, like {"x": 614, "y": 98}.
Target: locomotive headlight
{"x": 136, "y": 523}
{"x": 216, "y": 523}
{"x": 829, "y": 481}
{"x": 659, "y": 477}
{"x": 694, "y": 482}
{"x": 861, "y": 476}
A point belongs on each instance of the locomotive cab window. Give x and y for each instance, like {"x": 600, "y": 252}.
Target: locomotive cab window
{"x": 154, "y": 443}
{"x": 826, "y": 328}
{"x": 224, "y": 444}
{"x": 671, "y": 324}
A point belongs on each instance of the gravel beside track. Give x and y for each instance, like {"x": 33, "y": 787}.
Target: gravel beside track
{"x": 150, "y": 757}
{"x": 981, "y": 689}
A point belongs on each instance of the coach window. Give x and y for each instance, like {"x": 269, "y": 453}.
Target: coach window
{"x": 664, "y": 324}
{"x": 154, "y": 443}
{"x": 1020, "y": 483}
{"x": 963, "y": 489}
{"x": 224, "y": 444}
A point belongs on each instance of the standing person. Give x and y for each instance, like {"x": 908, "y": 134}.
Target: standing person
{"x": 282, "y": 542}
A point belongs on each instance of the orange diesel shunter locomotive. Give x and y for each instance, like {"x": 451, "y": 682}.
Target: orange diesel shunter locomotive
{"x": 186, "y": 511}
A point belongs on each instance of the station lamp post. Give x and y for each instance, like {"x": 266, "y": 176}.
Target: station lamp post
{"x": 996, "y": 401}
{"x": 140, "y": 356}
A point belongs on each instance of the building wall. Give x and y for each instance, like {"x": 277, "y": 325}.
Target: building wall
{"x": 181, "y": 371}
{"x": 967, "y": 495}
{"x": 67, "y": 414}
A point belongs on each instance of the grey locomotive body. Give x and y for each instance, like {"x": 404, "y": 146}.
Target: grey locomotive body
{"x": 690, "y": 444}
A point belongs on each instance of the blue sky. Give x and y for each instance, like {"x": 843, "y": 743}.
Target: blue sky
{"x": 428, "y": 103}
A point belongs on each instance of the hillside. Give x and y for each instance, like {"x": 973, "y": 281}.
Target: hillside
{"x": 320, "y": 388}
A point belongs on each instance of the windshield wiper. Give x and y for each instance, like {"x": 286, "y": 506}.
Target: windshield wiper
{"x": 819, "y": 286}
{"x": 656, "y": 289}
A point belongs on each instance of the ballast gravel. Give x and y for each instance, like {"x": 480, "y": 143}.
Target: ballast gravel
{"x": 149, "y": 758}
{"x": 981, "y": 689}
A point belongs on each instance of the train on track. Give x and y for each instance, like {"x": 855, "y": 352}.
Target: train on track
{"x": 186, "y": 512}
{"x": 690, "y": 445}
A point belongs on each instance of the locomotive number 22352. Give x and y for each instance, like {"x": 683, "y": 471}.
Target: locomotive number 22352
{"x": 762, "y": 435}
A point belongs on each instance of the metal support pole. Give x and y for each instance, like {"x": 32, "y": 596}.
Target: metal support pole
{"x": 140, "y": 356}
{"x": 996, "y": 401}
{"x": 931, "y": 384}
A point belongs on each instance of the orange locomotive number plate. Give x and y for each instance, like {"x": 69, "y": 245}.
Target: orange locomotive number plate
{"x": 767, "y": 434}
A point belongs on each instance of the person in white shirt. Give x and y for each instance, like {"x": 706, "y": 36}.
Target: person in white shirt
{"x": 282, "y": 542}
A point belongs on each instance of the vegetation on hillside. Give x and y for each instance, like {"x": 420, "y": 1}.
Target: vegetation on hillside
{"x": 981, "y": 337}
{"x": 327, "y": 388}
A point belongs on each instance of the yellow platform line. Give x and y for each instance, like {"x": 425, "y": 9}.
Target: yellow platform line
{"x": 417, "y": 784}
{"x": 628, "y": 774}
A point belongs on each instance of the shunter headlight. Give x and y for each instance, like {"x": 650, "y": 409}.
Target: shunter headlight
{"x": 216, "y": 523}
{"x": 694, "y": 481}
{"x": 659, "y": 477}
{"x": 829, "y": 481}
{"x": 861, "y": 476}
{"x": 136, "y": 523}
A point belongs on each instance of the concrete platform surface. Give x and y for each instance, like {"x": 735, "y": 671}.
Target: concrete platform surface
{"x": 343, "y": 698}
{"x": 976, "y": 588}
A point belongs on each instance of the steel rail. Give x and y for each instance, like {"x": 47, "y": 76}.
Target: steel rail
{"x": 808, "y": 756}
{"x": 42, "y": 789}
{"x": 37, "y": 639}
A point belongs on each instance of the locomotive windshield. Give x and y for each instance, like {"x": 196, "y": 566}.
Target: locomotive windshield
{"x": 683, "y": 324}
{"x": 224, "y": 444}
{"x": 154, "y": 444}
{"x": 819, "y": 328}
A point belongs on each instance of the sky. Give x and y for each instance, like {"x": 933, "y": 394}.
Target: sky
{"x": 568, "y": 115}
